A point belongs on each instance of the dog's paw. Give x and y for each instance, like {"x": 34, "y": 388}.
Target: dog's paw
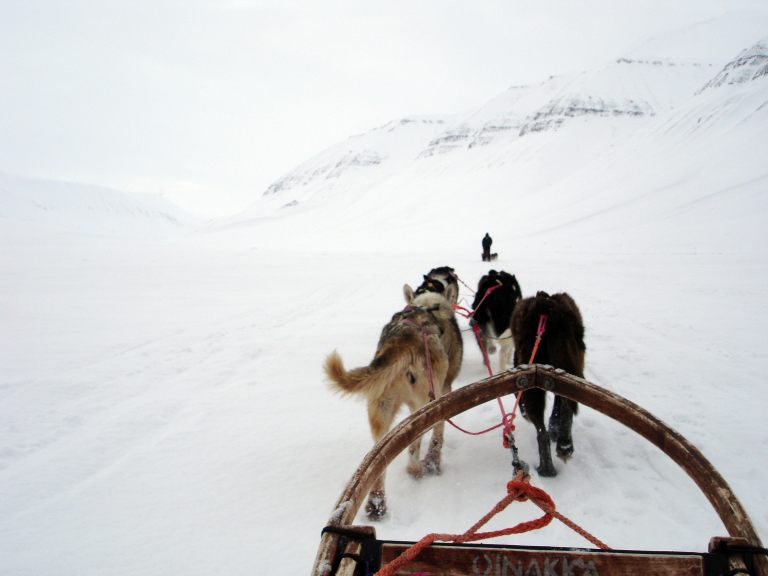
{"x": 416, "y": 470}
{"x": 376, "y": 507}
{"x": 565, "y": 451}
{"x": 431, "y": 466}
{"x": 547, "y": 471}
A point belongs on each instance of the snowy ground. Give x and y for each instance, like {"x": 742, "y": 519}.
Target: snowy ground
{"x": 162, "y": 404}
{"x": 162, "y": 408}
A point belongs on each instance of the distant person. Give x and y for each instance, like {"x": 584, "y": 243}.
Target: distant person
{"x": 487, "y": 241}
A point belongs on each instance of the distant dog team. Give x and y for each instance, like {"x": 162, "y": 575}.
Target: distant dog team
{"x": 419, "y": 355}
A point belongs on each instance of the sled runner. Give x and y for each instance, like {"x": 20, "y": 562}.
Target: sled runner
{"x": 354, "y": 550}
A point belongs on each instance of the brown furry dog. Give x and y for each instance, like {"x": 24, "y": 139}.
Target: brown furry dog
{"x": 400, "y": 374}
{"x": 562, "y": 346}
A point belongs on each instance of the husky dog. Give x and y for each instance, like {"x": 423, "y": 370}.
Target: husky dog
{"x": 562, "y": 346}
{"x": 495, "y": 299}
{"x": 400, "y": 374}
{"x": 438, "y": 280}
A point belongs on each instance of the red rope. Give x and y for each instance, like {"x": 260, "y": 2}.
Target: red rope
{"x": 470, "y": 313}
{"x": 518, "y": 490}
{"x": 428, "y": 360}
{"x": 539, "y": 333}
{"x": 481, "y": 432}
{"x": 464, "y": 283}
{"x": 426, "y": 332}
{"x": 507, "y": 419}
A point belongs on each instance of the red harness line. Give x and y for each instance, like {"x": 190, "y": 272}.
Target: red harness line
{"x": 428, "y": 359}
{"x": 488, "y": 292}
{"x": 539, "y": 333}
{"x": 426, "y": 332}
{"x": 507, "y": 418}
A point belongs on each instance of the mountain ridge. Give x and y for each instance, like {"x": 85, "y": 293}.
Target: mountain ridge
{"x": 642, "y": 85}
{"x": 570, "y": 156}
{"x": 62, "y": 206}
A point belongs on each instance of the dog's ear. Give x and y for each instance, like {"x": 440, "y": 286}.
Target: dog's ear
{"x": 451, "y": 293}
{"x": 408, "y": 293}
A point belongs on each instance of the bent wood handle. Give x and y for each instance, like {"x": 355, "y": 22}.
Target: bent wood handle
{"x": 688, "y": 457}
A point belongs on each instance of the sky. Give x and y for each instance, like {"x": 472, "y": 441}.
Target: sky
{"x": 209, "y": 102}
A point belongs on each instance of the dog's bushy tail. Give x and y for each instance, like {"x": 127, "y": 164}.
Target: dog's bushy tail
{"x": 371, "y": 381}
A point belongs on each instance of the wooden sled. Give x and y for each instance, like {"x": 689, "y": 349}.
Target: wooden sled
{"x": 347, "y": 550}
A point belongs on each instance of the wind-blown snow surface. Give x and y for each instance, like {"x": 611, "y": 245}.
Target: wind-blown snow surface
{"x": 162, "y": 406}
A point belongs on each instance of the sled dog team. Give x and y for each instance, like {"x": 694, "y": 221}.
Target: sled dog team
{"x": 419, "y": 354}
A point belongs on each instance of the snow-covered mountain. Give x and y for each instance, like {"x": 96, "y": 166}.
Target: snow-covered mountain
{"x": 552, "y": 152}
{"x": 550, "y": 157}
{"x": 362, "y": 161}
{"x": 51, "y": 206}
{"x": 750, "y": 65}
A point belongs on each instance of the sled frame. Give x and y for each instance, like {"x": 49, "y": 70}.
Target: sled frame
{"x": 341, "y": 539}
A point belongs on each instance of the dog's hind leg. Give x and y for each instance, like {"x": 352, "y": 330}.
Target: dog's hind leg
{"x": 532, "y": 405}
{"x": 489, "y": 340}
{"x": 431, "y": 462}
{"x": 381, "y": 413}
{"x": 554, "y": 419}
{"x": 560, "y": 430}
{"x": 506, "y": 347}
{"x": 416, "y": 467}
{"x": 444, "y": 380}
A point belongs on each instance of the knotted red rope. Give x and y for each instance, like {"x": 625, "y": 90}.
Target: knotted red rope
{"x": 518, "y": 490}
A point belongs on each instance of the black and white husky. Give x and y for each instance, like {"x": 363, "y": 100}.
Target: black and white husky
{"x": 495, "y": 299}
{"x": 442, "y": 280}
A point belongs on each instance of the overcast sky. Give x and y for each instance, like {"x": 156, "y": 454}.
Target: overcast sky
{"x": 208, "y": 102}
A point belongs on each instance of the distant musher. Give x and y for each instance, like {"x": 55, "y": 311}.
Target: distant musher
{"x": 487, "y": 241}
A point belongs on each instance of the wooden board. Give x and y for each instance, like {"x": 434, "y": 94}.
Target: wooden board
{"x": 454, "y": 560}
